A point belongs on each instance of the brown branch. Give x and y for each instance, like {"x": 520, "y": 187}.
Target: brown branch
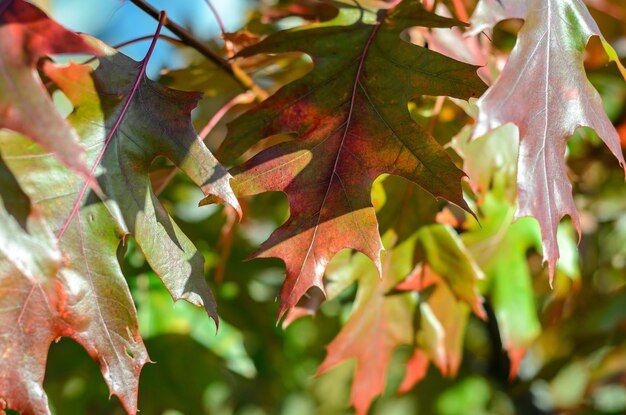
{"x": 190, "y": 40}
{"x": 186, "y": 37}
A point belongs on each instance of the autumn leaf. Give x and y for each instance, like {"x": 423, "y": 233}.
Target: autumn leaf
{"x": 143, "y": 120}
{"x": 443, "y": 319}
{"x": 454, "y": 42}
{"x": 351, "y": 136}
{"x": 221, "y": 90}
{"x": 382, "y": 319}
{"x": 448, "y": 257}
{"x": 383, "y": 316}
{"x": 377, "y": 326}
{"x": 379, "y": 322}
{"x": 543, "y": 90}
{"x": 416, "y": 370}
{"x": 401, "y": 208}
{"x": 447, "y": 278}
{"x": 125, "y": 121}
{"x": 500, "y": 246}
{"x": 406, "y": 208}
{"x": 352, "y": 121}
{"x": 45, "y": 299}
{"x": 26, "y": 35}
{"x": 310, "y": 10}
{"x": 217, "y": 86}
{"x": 490, "y": 160}
{"x": 29, "y": 263}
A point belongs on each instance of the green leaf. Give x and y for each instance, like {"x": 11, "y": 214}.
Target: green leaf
{"x": 500, "y": 247}
{"x": 448, "y": 257}
{"x": 156, "y": 123}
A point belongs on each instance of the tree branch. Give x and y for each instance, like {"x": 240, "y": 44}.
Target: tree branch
{"x": 190, "y": 40}
{"x": 186, "y": 37}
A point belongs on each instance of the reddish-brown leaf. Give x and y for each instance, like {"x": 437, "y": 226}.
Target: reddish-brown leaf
{"x": 353, "y": 124}
{"x": 443, "y": 318}
{"x": 416, "y": 369}
{"x": 383, "y": 317}
{"x": 29, "y": 263}
{"x": 377, "y": 326}
{"x": 43, "y": 297}
{"x": 311, "y": 10}
{"x": 26, "y": 35}
{"x": 544, "y": 91}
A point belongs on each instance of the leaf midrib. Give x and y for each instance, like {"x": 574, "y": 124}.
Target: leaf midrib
{"x": 357, "y": 77}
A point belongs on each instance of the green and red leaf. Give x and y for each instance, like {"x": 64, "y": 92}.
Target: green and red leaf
{"x": 125, "y": 121}
{"x": 351, "y": 117}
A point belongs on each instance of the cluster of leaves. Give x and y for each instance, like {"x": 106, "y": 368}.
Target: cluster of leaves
{"x": 363, "y": 118}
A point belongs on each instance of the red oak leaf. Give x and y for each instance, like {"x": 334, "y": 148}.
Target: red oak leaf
{"x": 543, "y": 90}
{"x": 377, "y": 326}
{"x": 353, "y": 124}
{"x": 125, "y": 121}
{"x": 26, "y": 35}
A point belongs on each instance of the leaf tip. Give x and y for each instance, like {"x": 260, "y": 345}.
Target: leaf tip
{"x": 479, "y": 309}
{"x": 213, "y": 199}
{"x": 282, "y": 311}
{"x": 551, "y": 271}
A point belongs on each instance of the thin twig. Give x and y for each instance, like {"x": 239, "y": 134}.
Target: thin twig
{"x": 436, "y": 111}
{"x": 227, "y": 237}
{"x": 185, "y": 36}
{"x": 220, "y": 22}
{"x": 190, "y": 40}
{"x": 173, "y": 170}
{"x": 229, "y": 47}
{"x": 167, "y": 38}
{"x": 136, "y": 40}
{"x": 243, "y": 98}
{"x": 243, "y": 77}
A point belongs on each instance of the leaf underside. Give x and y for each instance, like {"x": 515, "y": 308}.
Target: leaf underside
{"x": 543, "y": 89}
